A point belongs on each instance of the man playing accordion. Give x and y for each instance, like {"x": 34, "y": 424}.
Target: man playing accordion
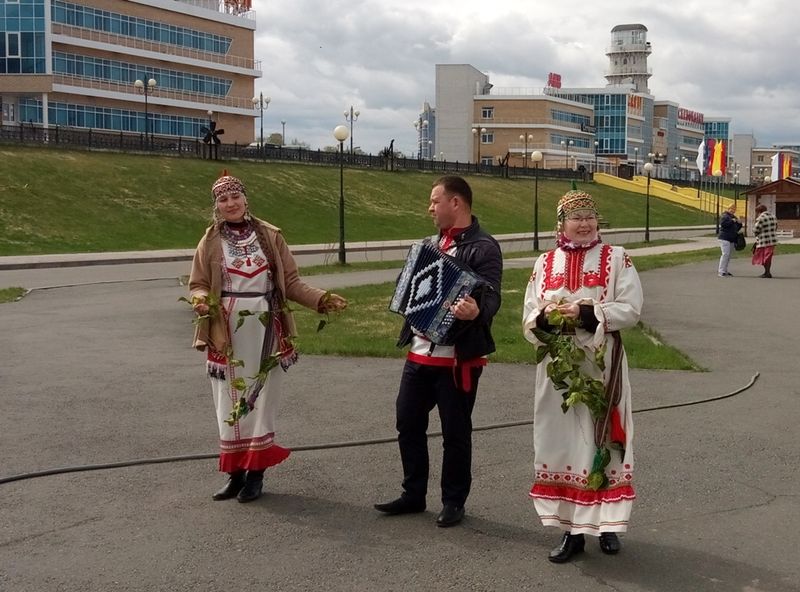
{"x": 446, "y": 376}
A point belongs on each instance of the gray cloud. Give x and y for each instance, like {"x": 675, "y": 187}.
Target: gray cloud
{"x": 733, "y": 59}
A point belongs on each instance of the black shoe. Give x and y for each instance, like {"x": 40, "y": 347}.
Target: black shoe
{"x": 450, "y": 516}
{"x": 609, "y": 543}
{"x": 401, "y": 505}
{"x": 253, "y": 484}
{"x": 232, "y": 487}
{"x": 571, "y": 544}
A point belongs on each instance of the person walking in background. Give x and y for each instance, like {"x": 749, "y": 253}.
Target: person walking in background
{"x": 729, "y": 227}
{"x": 243, "y": 268}
{"x": 446, "y": 376}
{"x": 765, "y": 231}
{"x": 580, "y": 295}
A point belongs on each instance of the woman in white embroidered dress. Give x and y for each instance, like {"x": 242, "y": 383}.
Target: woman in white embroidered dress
{"x": 242, "y": 275}
{"x": 596, "y": 286}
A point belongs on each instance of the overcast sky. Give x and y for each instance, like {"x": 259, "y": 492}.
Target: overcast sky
{"x": 729, "y": 58}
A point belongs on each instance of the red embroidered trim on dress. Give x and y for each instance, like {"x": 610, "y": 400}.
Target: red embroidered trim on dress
{"x": 253, "y": 460}
{"x": 248, "y": 275}
{"x": 602, "y": 527}
{"x": 574, "y": 277}
{"x": 582, "y": 497}
{"x": 605, "y": 270}
{"x": 251, "y": 453}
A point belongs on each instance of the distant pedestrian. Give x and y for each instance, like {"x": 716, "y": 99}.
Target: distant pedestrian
{"x": 243, "y": 272}
{"x": 765, "y": 230}
{"x": 580, "y": 295}
{"x": 729, "y": 227}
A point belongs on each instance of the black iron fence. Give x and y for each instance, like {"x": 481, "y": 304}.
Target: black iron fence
{"x": 88, "y": 139}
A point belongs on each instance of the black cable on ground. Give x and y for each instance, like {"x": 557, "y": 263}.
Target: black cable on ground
{"x": 333, "y": 445}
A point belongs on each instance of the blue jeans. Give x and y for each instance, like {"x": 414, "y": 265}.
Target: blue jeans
{"x": 725, "y": 246}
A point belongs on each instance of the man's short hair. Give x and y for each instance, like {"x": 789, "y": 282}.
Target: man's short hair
{"x": 454, "y": 185}
{"x": 761, "y": 208}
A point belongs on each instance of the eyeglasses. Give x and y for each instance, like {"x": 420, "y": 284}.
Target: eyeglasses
{"x": 582, "y": 218}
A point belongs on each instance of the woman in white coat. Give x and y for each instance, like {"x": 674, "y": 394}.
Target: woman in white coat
{"x": 578, "y": 298}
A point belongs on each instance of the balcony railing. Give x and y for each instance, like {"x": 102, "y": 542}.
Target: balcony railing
{"x": 528, "y": 121}
{"x": 629, "y": 71}
{"x": 629, "y": 47}
{"x": 558, "y": 149}
{"x": 163, "y": 48}
{"x": 239, "y": 9}
{"x": 129, "y": 89}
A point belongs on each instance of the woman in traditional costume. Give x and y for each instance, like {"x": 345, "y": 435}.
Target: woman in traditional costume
{"x": 242, "y": 275}
{"x": 580, "y": 295}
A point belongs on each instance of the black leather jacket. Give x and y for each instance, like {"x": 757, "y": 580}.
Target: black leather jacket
{"x": 481, "y": 252}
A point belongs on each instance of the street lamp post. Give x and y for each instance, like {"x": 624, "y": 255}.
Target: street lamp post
{"x": 525, "y": 138}
{"x": 636, "y": 160}
{"x": 718, "y": 174}
{"x": 477, "y": 133}
{"x": 351, "y": 117}
{"x": 566, "y": 146}
{"x": 537, "y": 158}
{"x": 146, "y": 88}
{"x": 341, "y": 133}
{"x": 596, "y": 147}
{"x": 648, "y": 167}
{"x": 283, "y": 132}
{"x": 261, "y": 103}
{"x": 685, "y": 167}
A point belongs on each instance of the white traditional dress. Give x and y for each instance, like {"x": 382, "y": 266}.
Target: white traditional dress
{"x": 247, "y": 444}
{"x": 564, "y": 443}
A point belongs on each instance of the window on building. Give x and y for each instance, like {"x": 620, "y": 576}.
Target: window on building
{"x": 760, "y": 158}
{"x": 12, "y": 45}
{"x": 787, "y": 210}
{"x": 487, "y": 138}
{"x": 487, "y": 112}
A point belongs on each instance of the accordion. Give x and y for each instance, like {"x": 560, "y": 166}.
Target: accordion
{"x": 430, "y": 282}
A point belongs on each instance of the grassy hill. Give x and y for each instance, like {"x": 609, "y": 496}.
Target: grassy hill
{"x": 59, "y": 201}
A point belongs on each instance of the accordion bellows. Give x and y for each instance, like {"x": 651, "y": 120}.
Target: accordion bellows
{"x": 429, "y": 283}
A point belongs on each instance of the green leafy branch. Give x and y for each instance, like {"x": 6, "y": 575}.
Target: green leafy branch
{"x": 211, "y": 301}
{"x": 244, "y": 405}
{"x": 564, "y": 370}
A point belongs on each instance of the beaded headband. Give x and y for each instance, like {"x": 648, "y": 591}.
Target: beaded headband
{"x": 227, "y": 185}
{"x": 572, "y": 201}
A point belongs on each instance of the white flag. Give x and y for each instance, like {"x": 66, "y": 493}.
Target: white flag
{"x": 701, "y": 157}
{"x": 775, "y": 170}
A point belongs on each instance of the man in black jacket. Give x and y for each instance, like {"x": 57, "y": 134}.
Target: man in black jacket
{"x": 446, "y": 376}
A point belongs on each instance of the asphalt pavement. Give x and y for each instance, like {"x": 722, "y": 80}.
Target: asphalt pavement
{"x": 97, "y": 369}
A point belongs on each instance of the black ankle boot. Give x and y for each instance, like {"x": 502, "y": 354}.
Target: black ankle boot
{"x": 609, "y": 543}
{"x": 571, "y": 544}
{"x": 253, "y": 483}
{"x": 232, "y": 487}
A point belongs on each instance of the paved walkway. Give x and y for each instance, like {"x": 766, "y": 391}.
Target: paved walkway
{"x": 103, "y": 372}
{"x": 149, "y": 265}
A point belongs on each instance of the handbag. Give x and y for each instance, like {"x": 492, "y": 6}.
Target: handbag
{"x": 740, "y": 243}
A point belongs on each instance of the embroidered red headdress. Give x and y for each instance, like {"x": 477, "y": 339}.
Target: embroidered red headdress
{"x": 225, "y": 185}
{"x": 573, "y": 201}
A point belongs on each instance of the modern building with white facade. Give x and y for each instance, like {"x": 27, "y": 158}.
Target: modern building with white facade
{"x": 76, "y": 63}
{"x": 457, "y": 85}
